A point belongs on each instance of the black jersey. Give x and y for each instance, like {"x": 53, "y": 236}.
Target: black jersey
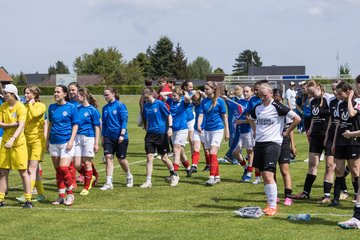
{"x": 347, "y": 123}
{"x": 320, "y": 114}
{"x": 334, "y": 112}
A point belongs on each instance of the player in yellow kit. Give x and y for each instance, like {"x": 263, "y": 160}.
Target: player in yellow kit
{"x": 35, "y": 140}
{"x": 13, "y": 152}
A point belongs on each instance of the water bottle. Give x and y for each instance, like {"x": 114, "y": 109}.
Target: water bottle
{"x": 303, "y": 217}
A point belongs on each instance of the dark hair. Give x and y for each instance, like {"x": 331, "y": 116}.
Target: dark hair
{"x": 161, "y": 79}
{"x": 34, "y": 90}
{"x": 357, "y": 79}
{"x": 258, "y": 83}
{"x": 89, "y": 97}
{"x": 178, "y": 91}
{"x": 185, "y": 84}
{"x": 171, "y": 80}
{"x": 74, "y": 84}
{"x": 196, "y": 96}
{"x": 148, "y": 91}
{"x": 65, "y": 90}
{"x": 148, "y": 82}
{"x": 113, "y": 91}
{"x": 277, "y": 92}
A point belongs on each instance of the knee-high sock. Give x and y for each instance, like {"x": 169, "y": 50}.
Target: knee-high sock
{"x": 67, "y": 176}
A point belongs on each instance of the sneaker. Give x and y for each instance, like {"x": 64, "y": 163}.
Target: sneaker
{"x": 193, "y": 169}
{"x": 344, "y": 195}
{"x": 234, "y": 161}
{"x": 245, "y": 172}
{"x": 288, "y": 201}
{"x": 301, "y": 196}
{"x": 69, "y": 200}
{"x": 174, "y": 180}
{"x": 39, "y": 198}
{"x": 211, "y": 181}
{"x": 324, "y": 200}
{"x": 93, "y": 179}
{"x": 170, "y": 154}
{"x": 58, "y": 201}
{"x": 206, "y": 168}
{"x": 334, "y": 203}
{"x": 246, "y": 178}
{"x": 271, "y": 211}
{"x": 217, "y": 180}
{"x": 107, "y": 186}
{"x": 80, "y": 179}
{"x": 146, "y": 185}
{"x": 257, "y": 180}
{"x": 28, "y": 204}
{"x": 322, "y": 157}
{"x": 188, "y": 172}
{"x": 352, "y": 223}
{"x": 223, "y": 160}
{"x": 130, "y": 181}
{"x": 34, "y": 192}
{"x": 306, "y": 160}
{"x": 84, "y": 192}
{"x": 354, "y": 199}
{"x": 21, "y": 199}
{"x": 2, "y": 204}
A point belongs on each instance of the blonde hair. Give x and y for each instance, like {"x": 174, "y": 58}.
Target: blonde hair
{"x": 313, "y": 83}
{"x": 214, "y": 86}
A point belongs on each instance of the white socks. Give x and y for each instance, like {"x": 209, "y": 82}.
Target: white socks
{"x": 109, "y": 179}
{"x": 271, "y": 194}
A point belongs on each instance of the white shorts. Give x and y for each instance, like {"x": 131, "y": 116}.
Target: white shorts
{"x": 59, "y": 150}
{"x": 213, "y": 138}
{"x": 190, "y": 125}
{"x": 179, "y": 137}
{"x": 84, "y": 146}
{"x": 199, "y": 136}
{"x": 246, "y": 141}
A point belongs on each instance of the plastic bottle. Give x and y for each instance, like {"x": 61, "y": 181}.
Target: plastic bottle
{"x": 303, "y": 217}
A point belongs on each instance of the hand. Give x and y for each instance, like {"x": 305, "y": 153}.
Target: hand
{"x": 293, "y": 150}
{"x": 225, "y": 97}
{"x": 324, "y": 143}
{"x": 351, "y": 95}
{"x": 170, "y": 132}
{"x": 238, "y": 122}
{"x": 347, "y": 134}
{"x": 121, "y": 139}
{"x": 333, "y": 149}
{"x": 254, "y": 135}
{"x": 285, "y": 134}
{"x": 199, "y": 129}
{"x": 9, "y": 143}
{"x": 96, "y": 148}
{"x": 227, "y": 135}
{"x": 69, "y": 145}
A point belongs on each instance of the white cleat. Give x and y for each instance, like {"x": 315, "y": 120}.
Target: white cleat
{"x": 69, "y": 200}
{"x": 210, "y": 182}
{"x": 352, "y": 223}
{"x": 107, "y": 186}
{"x": 174, "y": 180}
{"x": 257, "y": 180}
{"x": 146, "y": 185}
{"x": 130, "y": 181}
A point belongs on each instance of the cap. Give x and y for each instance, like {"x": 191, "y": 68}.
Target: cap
{"x": 292, "y": 83}
{"x": 11, "y": 88}
{"x": 302, "y": 83}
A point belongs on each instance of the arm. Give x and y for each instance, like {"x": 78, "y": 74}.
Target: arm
{"x": 8, "y": 125}
{"x": 38, "y": 110}
{"x": 352, "y": 111}
{"x": 18, "y": 131}
{"x": 327, "y": 132}
{"x": 310, "y": 128}
{"x": 187, "y": 98}
{"x": 296, "y": 120}
{"x": 200, "y": 120}
{"x": 97, "y": 136}
{"x": 225, "y": 119}
{"x": 170, "y": 123}
{"x": 164, "y": 95}
{"x": 292, "y": 142}
{"x": 335, "y": 134}
{"x": 124, "y": 121}
{"x": 70, "y": 143}
{"x": 253, "y": 126}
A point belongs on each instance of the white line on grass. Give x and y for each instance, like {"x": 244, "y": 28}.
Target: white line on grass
{"x": 114, "y": 210}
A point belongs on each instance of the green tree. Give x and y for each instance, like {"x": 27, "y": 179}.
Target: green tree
{"x": 162, "y": 58}
{"x": 244, "y": 61}
{"x": 143, "y": 61}
{"x": 344, "y": 69}
{"x": 219, "y": 71}
{"x": 133, "y": 74}
{"x": 199, "y": 68}
{"x": 106, "y": 62}
{"x": 20, "y": 79}
{"x": 180, "y": 66}
{"x": 59, "y": 68}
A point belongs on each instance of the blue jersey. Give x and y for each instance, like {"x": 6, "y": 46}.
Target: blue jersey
{"x": 213, "y": 115}
{"x": 190, "y": 110}
{"x": 178, "y": 113}
{"x": 1, "y": 129}
{"x": 156, "y": 115}
{"x": 253, "y": 102}
{"x": 89, "y": 117}
{"x": 245, "y": 127}
{"x": 234, "y": 113}
{"x": 62, "y": 119}
{"x": 197, "y": 113}
{"x": 304, "y": 105}
{"x": 114, "y": 119}
{"x": 74, "y": 102}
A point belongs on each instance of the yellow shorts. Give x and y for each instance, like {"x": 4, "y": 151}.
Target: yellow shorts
{"x": 15, "y": 158}
{"x": 36, "y": 150}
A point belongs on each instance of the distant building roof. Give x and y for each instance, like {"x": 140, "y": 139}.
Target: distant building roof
{"x": 276, "y": 70}
{"x": 35, "y": 78}
{"x": 4, "y": 76}
{"x": 83, "y": 80}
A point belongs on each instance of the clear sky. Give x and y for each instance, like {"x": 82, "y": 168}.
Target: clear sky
{"x": 35, "y": 34}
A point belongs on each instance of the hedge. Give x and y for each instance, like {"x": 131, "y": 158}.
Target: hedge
{"x": 99, "y": 90}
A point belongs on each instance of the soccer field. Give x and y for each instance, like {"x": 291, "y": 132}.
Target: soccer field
{"x": 188, "y": 211}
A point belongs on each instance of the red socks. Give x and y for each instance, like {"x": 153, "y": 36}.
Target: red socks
{"x": 176, "y": 167}
{"x": 207, "y": 158}
{"x": 250, "y": 168}
{"x": 257, "y": 173}
{"x": 88, "y": 176}
{"x": 186, "y": 164}
{"x": 72, "y": 172}
{"x": 214, "y": 165}
{"x": 195, "y": 158}
{"x": 67, "y": 178}
{"x": 60, "y": 182}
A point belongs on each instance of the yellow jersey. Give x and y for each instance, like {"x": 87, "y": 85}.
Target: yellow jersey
{"x": 14, "y": 114}
{"x": 34, "y": 125}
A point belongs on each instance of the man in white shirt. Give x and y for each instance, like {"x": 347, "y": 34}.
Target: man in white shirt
{"x": 290, "y": 96}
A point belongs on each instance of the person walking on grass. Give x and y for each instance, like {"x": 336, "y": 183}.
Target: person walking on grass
{"x": 63, "y": 126}
{"x": 115, "y": 137}
{"x": 157, "y": 118}
{"x": 13, "y": 151}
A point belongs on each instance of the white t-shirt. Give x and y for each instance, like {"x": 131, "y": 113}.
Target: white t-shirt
{"x": 290, "y": 95}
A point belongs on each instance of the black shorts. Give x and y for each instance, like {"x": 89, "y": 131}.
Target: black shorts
{"x": 112, "y": 146}
{"x": 307, "y": 122}
{"x": 266, "y": 155}
{"x": 156, "y": 141}
{"x": 317, "y": 144}
{"x": 328, "y": 148}
{"x": 285, "y": 152}
{"x": 347, "y": 152}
